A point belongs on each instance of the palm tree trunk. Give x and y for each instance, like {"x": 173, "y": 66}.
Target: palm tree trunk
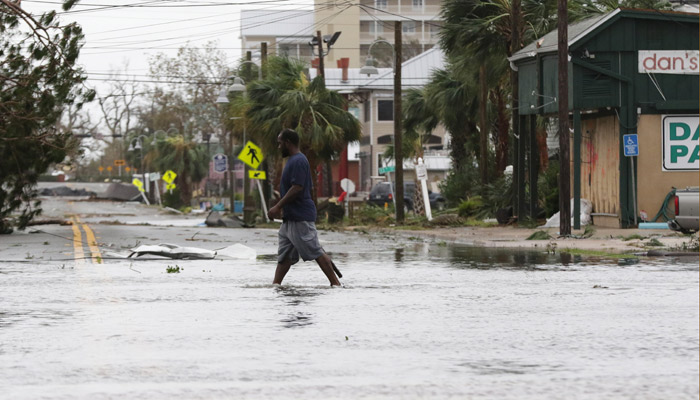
{"x": 458, "y": 151}
{"x": 502, "y": 134}
{"x": 313, "y": 165}
{"x": 483, "y": 134}
{"x": 329, "y": 178}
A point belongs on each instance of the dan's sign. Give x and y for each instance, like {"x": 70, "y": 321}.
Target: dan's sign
{"x": 681, "y": 141}
{"x": 684, "y": 62}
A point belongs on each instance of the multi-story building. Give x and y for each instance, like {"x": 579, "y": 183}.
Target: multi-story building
{"x": 361, "y": 24}
{"x": 286, "y": 32}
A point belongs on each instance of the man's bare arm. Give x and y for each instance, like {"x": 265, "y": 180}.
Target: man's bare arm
{"x": 291, "y": 194}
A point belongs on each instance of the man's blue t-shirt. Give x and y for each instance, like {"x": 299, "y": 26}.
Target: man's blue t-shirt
{"x": 298, "y": 172}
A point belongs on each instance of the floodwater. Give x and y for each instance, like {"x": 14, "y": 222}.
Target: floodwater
{"x": 420, "y": 320}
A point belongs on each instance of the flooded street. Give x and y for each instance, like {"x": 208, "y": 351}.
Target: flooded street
{"x": 414, "y": 320}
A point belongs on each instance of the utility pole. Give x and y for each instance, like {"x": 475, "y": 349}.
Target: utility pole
{"x": 518, "y": 168}
{"x": 398, "y": 150}
{"x": 321, "y": 69}
{"x": 563, "y": 97}
{"x": 248, "y": 206}
{"x": 267, "y": 187}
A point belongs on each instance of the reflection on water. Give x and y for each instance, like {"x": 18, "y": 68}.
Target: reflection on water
{"x": 295, "y": 297}
{"x": 413, "y": 320}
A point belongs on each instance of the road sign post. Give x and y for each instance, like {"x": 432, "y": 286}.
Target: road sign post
{"x": 631, "y": 145}
{"x": 422, "y": 175}
{"x": 252, "y": 156}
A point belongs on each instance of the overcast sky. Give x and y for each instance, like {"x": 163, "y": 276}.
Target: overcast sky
{"x": 131, "y": 31}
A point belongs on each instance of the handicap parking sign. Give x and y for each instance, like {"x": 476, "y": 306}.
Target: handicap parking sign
{"x": 220, "y": 163}
{"x": 631, "y": 145}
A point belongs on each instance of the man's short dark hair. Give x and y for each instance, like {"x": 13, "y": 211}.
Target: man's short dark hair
{"x": 291, "y": 136}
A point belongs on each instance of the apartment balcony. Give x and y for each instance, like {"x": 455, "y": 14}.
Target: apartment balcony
{"x": 384, "y": 9}
{"x": 430, "y": 37}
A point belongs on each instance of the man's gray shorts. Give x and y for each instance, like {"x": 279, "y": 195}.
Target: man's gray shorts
{"x": 298, "y": 238}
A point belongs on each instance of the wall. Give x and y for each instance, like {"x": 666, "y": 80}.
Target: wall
{"x": 652, "y": 183}
{"x": 340, "y": 17}
{"x": 600, "y": 172}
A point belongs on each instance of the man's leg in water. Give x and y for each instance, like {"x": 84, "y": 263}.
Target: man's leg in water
{"x": 327, "y": 267}
{"x": 281, "y": 271}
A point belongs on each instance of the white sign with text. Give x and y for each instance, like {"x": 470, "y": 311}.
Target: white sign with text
{"x": 683, "y": 62}
{"x": 681, "y": 134}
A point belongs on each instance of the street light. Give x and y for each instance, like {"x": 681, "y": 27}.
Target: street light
{"x": 138, "y": 146}
{"x": 369, "y": 69}
{"x": 166, "y": 132}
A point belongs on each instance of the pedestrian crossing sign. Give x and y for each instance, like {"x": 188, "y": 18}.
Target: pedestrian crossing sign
{"x": 251, "y": 155}
{"x": 257, "y": 175}
{"x": 170, "y": 186}
{"x": 137, "y": 182}
{"x": 169, "y": 176}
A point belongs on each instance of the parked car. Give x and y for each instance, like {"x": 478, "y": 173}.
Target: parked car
{"x": 381, "y": 194}
{"x": 686, "y": 207}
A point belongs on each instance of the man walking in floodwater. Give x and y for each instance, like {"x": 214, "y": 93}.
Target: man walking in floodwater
{"x": 297, "y": 235}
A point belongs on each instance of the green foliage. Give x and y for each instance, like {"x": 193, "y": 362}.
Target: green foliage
{"x": 470, "y": 207}
{"x": 548, "y": 189}
{"x": 38, "y": 80}
{"x": 287, "y": 99}
{"x": 634, "y": 236}
{"x": 654, "y": 242}
{"x": 173, "y": 269}
{"x": 588, "y": 231}
{"x": 172, "y": 199}
{"x": 369, "y": 214}
{"x": 539, "y": 235}
{"x": 497, "y": 194}
{"x": 459, "y": 184}
{"x": 187, "y": 158}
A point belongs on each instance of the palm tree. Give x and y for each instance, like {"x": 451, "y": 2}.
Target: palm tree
{"x": 187, "y": 158}
{"x": 287, "y": 99}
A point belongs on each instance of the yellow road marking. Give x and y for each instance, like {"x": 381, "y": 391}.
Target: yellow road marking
{"x": 92, "y": 242}
{"x": 77, "y": 242}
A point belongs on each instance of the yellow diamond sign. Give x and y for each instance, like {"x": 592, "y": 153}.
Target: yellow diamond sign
{"x": 257, "y": 175}
{"x": 137, "y": 182}
{"x": 251, "y": 155}
{"x": 169, "y": 176}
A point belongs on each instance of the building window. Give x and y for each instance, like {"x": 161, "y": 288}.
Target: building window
{"x": 385, "y": 110}
{"x": 417, "y": 4}
{"x": 434, "y": 29}
{"x": 367, "y": 110}
{"x": 408, "y": 27}
{"x": 376, "y": 27}
{"x": 381, "y": 4}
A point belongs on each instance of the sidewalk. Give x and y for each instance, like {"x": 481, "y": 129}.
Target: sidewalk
{"x": 604, "y": 239}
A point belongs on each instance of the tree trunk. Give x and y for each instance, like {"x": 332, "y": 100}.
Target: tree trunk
{"x": 329, "y": 179}
{"x": 502, "y": 134}
{"x": 483, "y": 134}
{"x": 458, "y": 151}
{"x": 313, "y": 166}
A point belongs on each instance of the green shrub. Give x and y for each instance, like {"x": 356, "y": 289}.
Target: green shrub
{"x": 470, "y": 207}
{"x": 172, "y": 199}
{"x": 460, "y": 184}
{"x": 548, "y": 189}
{"x": 369, "y": 214}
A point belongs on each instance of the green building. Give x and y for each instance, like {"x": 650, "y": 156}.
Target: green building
{"x": 631, "y": 72}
